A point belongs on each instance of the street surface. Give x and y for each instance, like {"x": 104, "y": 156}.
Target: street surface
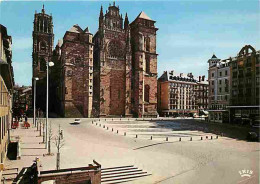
{"x": 173, "y": 161}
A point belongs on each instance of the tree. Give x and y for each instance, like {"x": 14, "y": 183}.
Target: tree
{"x": 59, "y": 143}
{"x": 50, "y": 136}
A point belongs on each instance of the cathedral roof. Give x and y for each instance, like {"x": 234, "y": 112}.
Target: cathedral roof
{"x": 76, "y": 29}
{"x": 142, "y": 15}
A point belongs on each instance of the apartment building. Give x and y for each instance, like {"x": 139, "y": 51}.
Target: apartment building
{"x": 181, "y": 94}
{"x": 6, "y": 88}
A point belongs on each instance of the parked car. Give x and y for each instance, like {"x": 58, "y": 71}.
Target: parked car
{"x": 77, "y": 121}
{"x": 252, "y": 136}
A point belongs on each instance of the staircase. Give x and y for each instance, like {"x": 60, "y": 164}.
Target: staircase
{"x": 9, "y": 174}
{"x": 121, "y": 174}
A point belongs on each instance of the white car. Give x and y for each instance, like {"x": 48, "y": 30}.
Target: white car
{"x": 77, "y": 121}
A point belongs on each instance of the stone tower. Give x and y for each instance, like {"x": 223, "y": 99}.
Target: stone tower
{"x": 144, "y": 89}
{"x": 77, "y": 72}
{"x": 112, "y": 65}
{"x": 42, "y": 52}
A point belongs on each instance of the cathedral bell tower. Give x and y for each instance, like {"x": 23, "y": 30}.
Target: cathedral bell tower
{"x": 143, "y": 36}
{"x": 42, "y": 42}
{"x": 42, "y": 52}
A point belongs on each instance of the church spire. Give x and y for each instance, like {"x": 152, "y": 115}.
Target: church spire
{"x": 101, "y": 12}
{"x": 43, "y": 11}
{"x": 101, "y": 17}
{"x": 126, "y": 23}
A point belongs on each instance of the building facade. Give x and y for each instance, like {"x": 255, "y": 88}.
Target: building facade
{"x": 245, "y": 80}
{"x": 22, "y": 101}
{"x": 113, "y": 75}
{"x": 112, "y": 65}
{"x": 6, "y": 92}
{"x": 76, "y": 50}
{"x": 219, "y": 89}
{"x": 144, "y": 75}
{"x": 125, "y": 65}
{"x": 42, "y": 53}
{"x": 181, "y": 94}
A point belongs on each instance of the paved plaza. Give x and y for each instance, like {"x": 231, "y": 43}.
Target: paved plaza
{"x": 216, "y": 160}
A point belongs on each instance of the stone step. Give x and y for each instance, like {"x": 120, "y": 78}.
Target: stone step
{"x": 122, "y": 174}
{"x": 123, "y": 178}
{"x": 109, "y": 168}
{"x": 115, "y": 170}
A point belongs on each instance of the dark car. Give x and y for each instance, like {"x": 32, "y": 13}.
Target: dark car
{"x": 252, "y": 136}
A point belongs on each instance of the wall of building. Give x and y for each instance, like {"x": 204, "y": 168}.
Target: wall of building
{"x": 6, "y": 91}
{"x": 77, "y": 58}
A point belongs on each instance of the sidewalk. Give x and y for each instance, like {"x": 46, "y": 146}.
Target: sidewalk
{"x": 30, "y": 147}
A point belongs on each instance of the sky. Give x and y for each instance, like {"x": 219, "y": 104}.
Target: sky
{"x": 190, "y": 31}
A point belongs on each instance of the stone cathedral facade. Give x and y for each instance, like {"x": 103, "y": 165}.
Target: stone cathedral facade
{"x": 125, "y": 65}
{"x": 112, "y": 74}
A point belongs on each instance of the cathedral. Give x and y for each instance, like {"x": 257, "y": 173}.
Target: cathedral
{"x": 113, "y": 73}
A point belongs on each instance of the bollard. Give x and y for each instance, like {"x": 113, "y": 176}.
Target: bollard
{"x": 151, "y": 137}
{"x": 112, "y": 129}
{"x": 112, "y": 119}
{"x": 107, "y": 128}
{"x": 166, "y": 138}
{"x": 120, "y": 119}
{"x": 180, "y": 139}
{"x": 100, "y": 125}
{"x": 96, "y": 123}
{"x": 128, "y": 119}
{"x": 206, "y": 137}
{"x": 211, "y": 137}
{"x": 124, "y": 134}
{"x": 201, "y": 138}
{"x": 105, "y": 119}
{"x": 117, "y": 131}
{"x": 136, "y": 136}
{"x": 217, "y": 137}
{"x": 92, "y": 122}
{"x": 104, "y": 126}
{"x": 99, "y": 120}
{"x": 191, "y": 139}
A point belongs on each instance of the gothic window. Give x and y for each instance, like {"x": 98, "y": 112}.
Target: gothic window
{"x": 147, "y": 64}
{"x": 147, "y": 44}
{"x": 146, "y": 93}
{"x": 41, "y": 25}
{"x": 42, "y": 65}
{"x": 45, "y": 26}
{"x": 42, "y": 46}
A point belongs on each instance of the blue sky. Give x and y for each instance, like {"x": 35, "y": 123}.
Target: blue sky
{"x": 189, "y": 31}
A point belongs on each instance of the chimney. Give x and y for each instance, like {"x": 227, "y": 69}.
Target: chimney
{"x": 203, "y": 78}
{"x": 199, "y": 78}
{"x": 181, "y": 74}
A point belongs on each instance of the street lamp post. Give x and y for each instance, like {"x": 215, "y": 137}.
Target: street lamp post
{"x": 47, "y": 100}
{"x": 34, "y": 101}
